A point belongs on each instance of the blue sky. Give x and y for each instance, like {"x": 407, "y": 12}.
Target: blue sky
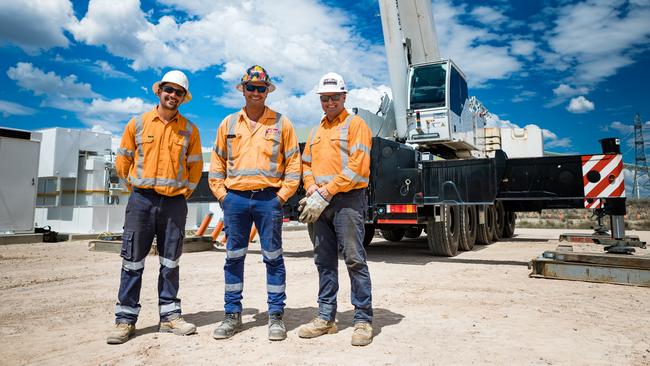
{"x": 578, "y": 69}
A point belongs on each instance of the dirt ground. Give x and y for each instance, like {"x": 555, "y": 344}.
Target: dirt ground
{"x": 477, "y": 308}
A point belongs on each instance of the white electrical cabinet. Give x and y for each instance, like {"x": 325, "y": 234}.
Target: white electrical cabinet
{"x": 19, "y": 152}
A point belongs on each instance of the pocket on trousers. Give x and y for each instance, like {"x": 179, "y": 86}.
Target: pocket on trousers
{"x": 127, "y": 245}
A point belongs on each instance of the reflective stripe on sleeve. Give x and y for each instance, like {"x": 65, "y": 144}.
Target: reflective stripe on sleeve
{"x": 220, "y": 153}
{"x": 168, "y": 262}
{"x": 290, "y": 153}
{"x": 292, "y": 176}
{"x": 353, "y": 176}
{"x": 323, "y": 179}
{"x": 234, "y": 287}
{"x": 275, "y": 289}
{"x": 359, "y": 147}
{"x": 306, "y": 173}
{"x": 216, "y": 175}
{"x": 191, "y": 186}
{"x": 231, "y": 131}
{"x": 121, "y": 309}
{"x": 194, "y": 158}
{"x": 272, "y": 255}
{"x": 122, "y": 151}
{"x": 306, "y": 158}
{"x": 168, "y": 308}
{"x": 132, "y": 266}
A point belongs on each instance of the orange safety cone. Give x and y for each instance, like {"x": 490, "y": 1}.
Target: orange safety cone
{"x": 217, "y": 230}
{"x": 204, "y": 224}
{"x": 253, "y": 233}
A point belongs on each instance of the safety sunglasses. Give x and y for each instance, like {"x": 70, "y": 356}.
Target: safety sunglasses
{"x": 259, "y": 88}
{"x": 326, "y": 98}
{"x": 171, "y": 90}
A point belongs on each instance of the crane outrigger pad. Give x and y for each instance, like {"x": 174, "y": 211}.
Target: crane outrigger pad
{"x": 592, "y": 267}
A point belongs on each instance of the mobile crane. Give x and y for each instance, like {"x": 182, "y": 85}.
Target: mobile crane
{"x": 430, "y": 169}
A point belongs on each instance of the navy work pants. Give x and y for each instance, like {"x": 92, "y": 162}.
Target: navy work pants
{"x": 150, "y": 214}
{"x": 241, "y": 209}
{"x": 340, "y": 228}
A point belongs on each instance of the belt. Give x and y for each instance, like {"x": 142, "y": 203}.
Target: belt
{"x": 251, "y": 191}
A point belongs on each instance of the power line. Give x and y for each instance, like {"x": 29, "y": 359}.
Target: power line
{"x": 640, "y": 162}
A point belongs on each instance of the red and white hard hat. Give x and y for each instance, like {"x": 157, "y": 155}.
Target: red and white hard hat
{"x": 177, "y": 77}
{"x": 331, "y": 83}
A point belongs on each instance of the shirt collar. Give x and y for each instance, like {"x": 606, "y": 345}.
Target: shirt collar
{"x": 340, "y": 118}
{"x": 266, "y": 115}
{"x": 157, "y": 115}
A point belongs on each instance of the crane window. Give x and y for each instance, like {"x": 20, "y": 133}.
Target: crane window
{"x": 428, "y": 87}
{"x": 457, "y": 92}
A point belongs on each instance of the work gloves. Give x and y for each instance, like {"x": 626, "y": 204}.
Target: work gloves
{"x": 311, "y": 207}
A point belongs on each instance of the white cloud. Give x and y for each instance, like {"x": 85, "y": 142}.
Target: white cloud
{"x": 107, "y": 70}
{"x": 522, "y": 47}
{"x": 35, "y": 25}
{"x": 567, "y": 91}
{"x": 294, "y": 52}
{"x": 580, "y": 105}
{"x": 471, "y": 48}
{"x": 598, "y": 37}
{"x": 621, "y": 127}
{"x": 66, "y": 93}
{"x": 8, "y": 108}
{"x": 488, "y": 16}
{"x": 41, "y": 83}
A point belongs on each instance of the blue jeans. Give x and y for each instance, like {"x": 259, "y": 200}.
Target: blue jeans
{"x": 241, "y": 209}
{"x": 150, "y": 214}
{"x": 340, "y": 228}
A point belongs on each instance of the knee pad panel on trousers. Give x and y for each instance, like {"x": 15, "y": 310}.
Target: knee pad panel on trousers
{"x": 173, "y": 246}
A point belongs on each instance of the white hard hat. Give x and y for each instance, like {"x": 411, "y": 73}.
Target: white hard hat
{"x": 178, "y": 78}
{"x": 331, "y": 83}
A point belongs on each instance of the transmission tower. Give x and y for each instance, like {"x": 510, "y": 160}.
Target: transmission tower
{"x": 640, "y": 163}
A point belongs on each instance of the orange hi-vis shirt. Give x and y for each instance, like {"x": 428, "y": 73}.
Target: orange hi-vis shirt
{"x": 246, "y": 160}
{"x": 337, "y": 154}
{"x": 164, "y": 157}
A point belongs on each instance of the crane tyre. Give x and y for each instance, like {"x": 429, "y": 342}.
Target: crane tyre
{"x": 468, "y": 228}
{"x": 484, "y": 232}
{"x": 443, "y": 236}
{"x": 392, "y": 234}
{"x": 509, "y": 224}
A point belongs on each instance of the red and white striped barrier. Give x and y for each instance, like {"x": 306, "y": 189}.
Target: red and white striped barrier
{"x": 602, "y": 177}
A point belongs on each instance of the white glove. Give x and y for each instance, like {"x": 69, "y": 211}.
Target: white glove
{"x": 313, "y": 208}
{"x": 302, "y": 203}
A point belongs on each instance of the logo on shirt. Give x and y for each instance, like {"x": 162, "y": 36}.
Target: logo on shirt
{"x": 271, "y": 132}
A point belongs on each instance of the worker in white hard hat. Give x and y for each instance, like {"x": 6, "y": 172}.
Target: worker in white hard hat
{"x": 336, "y": 170}
{"x": 160, "y": 161}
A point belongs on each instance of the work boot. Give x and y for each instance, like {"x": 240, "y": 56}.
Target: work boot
{"x": 277, "y": 330}
{"x": 230, "y": 325}
{"x": 316, "y": 328}
{"x": 120, "y": 333}
{"x": 362, "y": 335}
{"x": 177, "y": 326}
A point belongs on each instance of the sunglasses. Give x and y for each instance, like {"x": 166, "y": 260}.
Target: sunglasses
{"x": 171, "y": 90}
{"x": 259, "y": 88}
{"x": 326, "y": 98}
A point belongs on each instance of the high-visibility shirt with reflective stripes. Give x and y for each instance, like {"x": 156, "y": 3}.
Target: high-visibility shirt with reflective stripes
{"x": 337, "y": 154}
{"x": 164, "y": 157}
{"x": 245, "y": 159}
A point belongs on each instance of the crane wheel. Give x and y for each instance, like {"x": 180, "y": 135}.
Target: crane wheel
{"x": 394, "y": 235}
{"x": 413, "y": 232}
{"x": 468, "y": 227}
{"x": 443, "y": 236}
{"x": 499, "y": 220}
{"x": 509, "y": 224}
{"x": 485, "y": 231}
